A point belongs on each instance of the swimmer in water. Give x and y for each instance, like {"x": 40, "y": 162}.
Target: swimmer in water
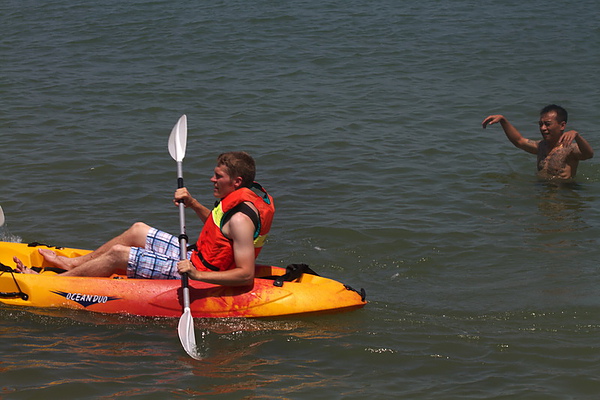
{"x": 559, "y": 152}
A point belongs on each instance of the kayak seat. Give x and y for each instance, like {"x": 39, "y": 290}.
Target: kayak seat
{"x": 292, "y": 272}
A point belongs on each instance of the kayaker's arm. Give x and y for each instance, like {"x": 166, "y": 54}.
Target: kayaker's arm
{"x": 240, "y": 229}
{"x": 184, "y": 195}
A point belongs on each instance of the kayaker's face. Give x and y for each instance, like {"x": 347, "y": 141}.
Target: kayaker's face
{"x": 223, "y": 183}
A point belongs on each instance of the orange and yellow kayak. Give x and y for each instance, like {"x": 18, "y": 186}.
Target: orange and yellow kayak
{"x": 276, "y": 291}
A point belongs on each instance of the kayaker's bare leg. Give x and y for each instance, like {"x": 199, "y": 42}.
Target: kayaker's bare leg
{"x": 112, "y": 261}
{"x": 22, "y": 268}
{"x": 135, "y": 236}
{"x": 56, "y": 260}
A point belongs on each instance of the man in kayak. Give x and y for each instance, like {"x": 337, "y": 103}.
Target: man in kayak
{"x": 559, "y": 152}
{"x": 232, "y": 236}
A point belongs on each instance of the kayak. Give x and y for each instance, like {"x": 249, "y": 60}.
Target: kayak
{"x": 277, "y": 291}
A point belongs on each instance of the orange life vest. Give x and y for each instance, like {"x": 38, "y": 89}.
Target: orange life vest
{"x": 214, "y": 251}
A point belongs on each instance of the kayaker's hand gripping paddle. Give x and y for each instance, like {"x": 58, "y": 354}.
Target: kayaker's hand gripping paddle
{"x": 177, "y": 144}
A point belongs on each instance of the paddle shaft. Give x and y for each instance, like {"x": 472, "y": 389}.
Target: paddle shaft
{"x": 182, "y": 238}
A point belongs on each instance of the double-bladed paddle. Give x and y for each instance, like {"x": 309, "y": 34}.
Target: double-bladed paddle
{"x": 1, "y": 217}
{"x": 177, "y": 144}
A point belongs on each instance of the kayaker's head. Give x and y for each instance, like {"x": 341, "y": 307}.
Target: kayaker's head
{"x": 234, "y": 170}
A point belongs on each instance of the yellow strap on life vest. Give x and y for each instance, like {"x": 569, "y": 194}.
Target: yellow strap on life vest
{"x": 260, "y": 241}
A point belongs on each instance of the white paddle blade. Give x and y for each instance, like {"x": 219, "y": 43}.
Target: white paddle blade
{"x": 1, "y": 216}
{"x": 187, "y": 335}
{"x": 178, "y": 139}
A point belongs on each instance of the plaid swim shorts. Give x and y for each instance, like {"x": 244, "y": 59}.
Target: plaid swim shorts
{"x": 158, "y": 260}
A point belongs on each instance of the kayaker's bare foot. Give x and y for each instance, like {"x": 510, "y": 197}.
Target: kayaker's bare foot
{"x": 22, "y": 268}
{"x": 56, "y": 260}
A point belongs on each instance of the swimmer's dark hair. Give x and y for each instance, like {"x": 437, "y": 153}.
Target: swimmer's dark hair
{"x": 561, "y": 113}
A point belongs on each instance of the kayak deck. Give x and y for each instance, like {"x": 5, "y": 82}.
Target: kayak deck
{"x": 276, "y": 291}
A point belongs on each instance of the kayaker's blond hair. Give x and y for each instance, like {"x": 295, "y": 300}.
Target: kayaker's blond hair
{"x": 239, "y": 163}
